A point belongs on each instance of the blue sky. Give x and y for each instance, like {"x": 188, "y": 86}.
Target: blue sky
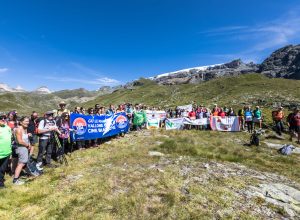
{"x": 67, "y": 44}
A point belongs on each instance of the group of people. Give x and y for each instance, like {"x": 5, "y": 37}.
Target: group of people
{"x": 19, "y": 135}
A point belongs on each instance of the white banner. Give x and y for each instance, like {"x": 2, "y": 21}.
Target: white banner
{"x": 224, "y": 123}
{"x": 200, "y": 121}
{"x": 186, "y": 107}
{"x": 152, "y": 123}
{"x": 157, "y": 114}
{"x": 174, "y": 123}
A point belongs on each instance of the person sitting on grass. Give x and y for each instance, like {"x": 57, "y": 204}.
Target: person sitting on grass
{"x": 5, "y": 147}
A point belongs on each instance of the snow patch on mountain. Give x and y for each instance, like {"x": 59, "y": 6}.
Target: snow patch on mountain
{"x": 199, "y": 68}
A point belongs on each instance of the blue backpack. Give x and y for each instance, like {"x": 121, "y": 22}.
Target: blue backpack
{"x": 286, "y": 149}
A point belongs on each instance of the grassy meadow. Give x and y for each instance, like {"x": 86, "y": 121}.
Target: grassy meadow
{"x": 202, "y": 175}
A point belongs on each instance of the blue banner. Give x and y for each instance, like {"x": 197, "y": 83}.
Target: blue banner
{"x": 89, "y": 127}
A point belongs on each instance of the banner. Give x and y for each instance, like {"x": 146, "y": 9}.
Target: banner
{"x": 200, "y": 121}
{"x": 157, "y": 114}
{"x": 139, "y": 118}
{"x": 152, "y": 123}
{"x": 174, "y": 123}
{"x": 186, "y": 107}
{"x": 224, "y": 123}
{"x": 91, "y": 127}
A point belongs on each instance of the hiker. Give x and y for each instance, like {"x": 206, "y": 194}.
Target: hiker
{"x": 257, "y": 117}
{"x": 62, "y": 109}
{"x": 46, "y": 130}
{"x": 23, "y": 148}
{"x": 248, "y": 115}
{"x": 231, "y": 112}
{"x": 63, "y": 124}
{"x": 278, "y": 117}
{"x": 110, "y": 110}
{"x": 215, "y": 110}
{"x": 222, "y": 113}
{"x": 12, "y": 121}
{"x": 32, "y": 128}
{"x": 292, "y": 123}
{"x": 241, "y": 114}
{"x": 297, "y": 123}
{"x": 5, "y": 147}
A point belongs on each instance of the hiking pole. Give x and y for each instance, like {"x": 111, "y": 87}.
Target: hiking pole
{"x": 62, "y": 157}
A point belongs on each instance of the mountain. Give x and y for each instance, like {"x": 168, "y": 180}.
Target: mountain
{"x": 6, "y": 88}
{"x": 205, "y": 73}
{"x": 283, "y": 63}
{"x": 42, "y": 90}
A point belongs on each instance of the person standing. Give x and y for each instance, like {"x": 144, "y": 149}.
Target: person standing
{"x": 32, "y": 128}
{"x": 46, "y": 142}
{"x": 249, "y": 119}
{"x": 257, "y": 117}
{"x": 278, "y": 117}
{"x": 5, "y": 147}
{"x": 62, "y": 109}
{"x": 23, "y": 148}
{"x": 297, "y": 123}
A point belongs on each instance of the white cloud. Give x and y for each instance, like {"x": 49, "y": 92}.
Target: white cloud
{"x": 262, "y": 37}
{"x": 104, "y": 81}
{"x": 3, "y": 70}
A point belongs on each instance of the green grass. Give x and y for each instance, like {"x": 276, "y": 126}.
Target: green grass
{"x": 119, "y": 180}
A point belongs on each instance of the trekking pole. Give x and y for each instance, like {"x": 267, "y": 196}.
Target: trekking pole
{"x": 62, "y": 157}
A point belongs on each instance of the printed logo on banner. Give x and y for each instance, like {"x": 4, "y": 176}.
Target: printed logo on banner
{"x": 81, "y": 125}
{"x": 121, "y": 121}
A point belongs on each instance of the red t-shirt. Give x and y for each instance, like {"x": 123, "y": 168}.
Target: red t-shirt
{"x": 192, "y": 115}
{"x": 222, "y": 114}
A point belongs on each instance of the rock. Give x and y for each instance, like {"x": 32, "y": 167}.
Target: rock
{"x": 206, "y": 165}
{"x": 283, "y": 63}
{"x": 279, "y": 195}
{"x": 155, "y": 154}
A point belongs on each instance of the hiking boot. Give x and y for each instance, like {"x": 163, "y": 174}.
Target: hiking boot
{"x": 39, "y": 166}
{"x": 18, "y": 182}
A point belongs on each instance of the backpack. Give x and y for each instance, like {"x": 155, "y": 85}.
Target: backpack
{"x": 45, "y": 123}
{"x": 286, "y": 149}
{"x": 31, "y": 168}
{"x": 254, "y": 139}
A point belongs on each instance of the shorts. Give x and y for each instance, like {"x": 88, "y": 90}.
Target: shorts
{"x": 256, "y": 120}
{"x": 23, "y": 154}
{"x": 297, "y": 129}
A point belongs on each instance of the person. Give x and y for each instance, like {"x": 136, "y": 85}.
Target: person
{"x": 77, "y": 110}
{"x": 292, "y": 123}
{"x": 32, "y": 128}
{"x": 64, "y": 127}
{"x": 257, "y": 117}
{"x": 215, "y": 110}
{"x": 23, "y": 148}
{"x": 62, "y": 109}
{"x": 46, "y": 141}
{"x": 5, "y": 147}
{"x": 231, "y": 112}
{"x": 110, "y": 110}
{"x": 222, "y": 113}
{"x": 278, "y": 117}
{"x": 249, "y": 119}
{"x": 97, "y": 107}
{"x": 297, "y": 124}
{"x": 241, "y": 115}
{"x": 12, "y": 121}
